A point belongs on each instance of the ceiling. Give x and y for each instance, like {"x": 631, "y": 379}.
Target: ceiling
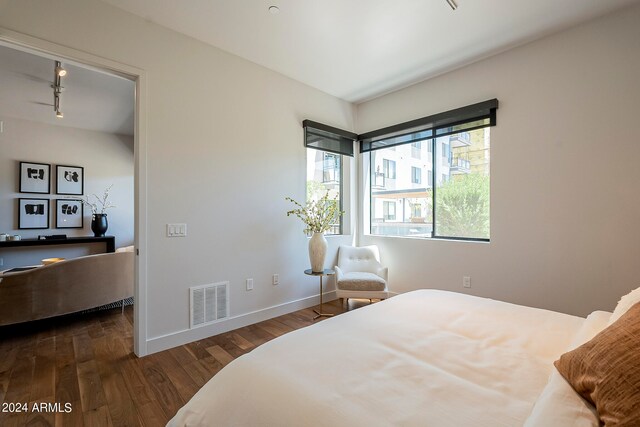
{"x": 352, "y": 49}
{"x": 360, "y": 49}
{"x": 92, "y": 99}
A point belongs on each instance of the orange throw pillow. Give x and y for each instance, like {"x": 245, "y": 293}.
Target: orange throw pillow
{"x": 606, "y": 370}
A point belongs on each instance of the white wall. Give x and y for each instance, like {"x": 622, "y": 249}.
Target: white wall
{"x": 107, "y": 159}
{"x": 224, "y": 147}
{"x": 565, "y": 209}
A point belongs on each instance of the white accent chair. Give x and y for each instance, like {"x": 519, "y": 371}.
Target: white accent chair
{"x": 359, "y": 274}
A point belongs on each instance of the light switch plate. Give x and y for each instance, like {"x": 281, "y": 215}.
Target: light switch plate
{"x": 176, "y": 230}
{"x": 466, "y": 282}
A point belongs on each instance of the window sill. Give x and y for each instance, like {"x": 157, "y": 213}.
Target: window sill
{"x": 442, "y": 239}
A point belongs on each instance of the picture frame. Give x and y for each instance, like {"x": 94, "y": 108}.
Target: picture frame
{"x": 69, "y": 180}
{"x": 69, "y": 213}
{"x": 33, "y": 214}
{"x": 34, "y": 178}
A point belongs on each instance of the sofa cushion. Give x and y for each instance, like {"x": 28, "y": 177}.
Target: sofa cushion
{"x": 361, "y": 281}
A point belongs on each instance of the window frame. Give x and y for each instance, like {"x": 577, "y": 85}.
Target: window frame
{"x": 331, "y": 141}
{"x": 416, "y": 175}
{"x": 336, "y": 160}
{"x": 340, "y": 184}
{"x": 387, "y": 168}
{"x": 462, "y": 120}
{"x": 386, "y": 204}
{"x": 434, "y": 188}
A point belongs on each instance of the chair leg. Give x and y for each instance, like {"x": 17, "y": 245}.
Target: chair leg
{"x": 342, "y": 303}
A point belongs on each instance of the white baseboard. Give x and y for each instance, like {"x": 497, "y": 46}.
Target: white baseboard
{"x": 175, "y": 339}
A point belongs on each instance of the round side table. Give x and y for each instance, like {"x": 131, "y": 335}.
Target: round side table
{"x": 321, "y": 274}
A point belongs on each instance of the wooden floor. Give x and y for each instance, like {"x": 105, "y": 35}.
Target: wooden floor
{"x": 87, "y": 361}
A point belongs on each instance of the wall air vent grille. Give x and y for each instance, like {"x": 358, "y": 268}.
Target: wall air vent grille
{"x": 208, "y": 303}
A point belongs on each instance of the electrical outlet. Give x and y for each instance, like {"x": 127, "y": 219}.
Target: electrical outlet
{"x": 249, "y": 284}
{"x": 466, "y": 282}
{"x": 276, "y": 279}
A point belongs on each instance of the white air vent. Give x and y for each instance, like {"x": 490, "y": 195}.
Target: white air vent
{"x": 208, "y": 303}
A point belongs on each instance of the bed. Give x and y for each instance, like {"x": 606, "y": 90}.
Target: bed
{"x": 423, "y": 358}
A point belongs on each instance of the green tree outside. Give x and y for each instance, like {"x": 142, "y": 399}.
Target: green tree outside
{"x": 462, "y": 207}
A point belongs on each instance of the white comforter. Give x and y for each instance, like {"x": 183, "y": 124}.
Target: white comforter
{"x": 424, "y": 358}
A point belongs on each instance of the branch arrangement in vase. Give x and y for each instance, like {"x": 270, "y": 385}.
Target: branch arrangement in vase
{"x": 318, "y": 215}
{"x": 101, "y": 204}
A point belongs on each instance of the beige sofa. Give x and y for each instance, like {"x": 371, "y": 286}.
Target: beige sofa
{"x": 65, "y": 287}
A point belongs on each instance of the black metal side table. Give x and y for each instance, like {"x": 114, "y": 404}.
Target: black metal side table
{"x": 325, "y": 272}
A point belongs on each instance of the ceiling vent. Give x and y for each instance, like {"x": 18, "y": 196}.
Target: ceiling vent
{"x": 208, "y": 303}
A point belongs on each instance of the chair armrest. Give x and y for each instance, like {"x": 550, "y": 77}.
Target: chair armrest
{"x": 339, "y": 273}
{"x": 384, "y": 273}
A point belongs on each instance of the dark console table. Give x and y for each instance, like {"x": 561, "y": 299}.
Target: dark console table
{"x": 110, "y": 242}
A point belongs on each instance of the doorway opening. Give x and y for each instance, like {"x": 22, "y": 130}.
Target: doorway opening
{"x": 87, "y": 130}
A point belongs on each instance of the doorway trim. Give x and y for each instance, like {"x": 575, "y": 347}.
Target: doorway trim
{"x": 139, "y": 77}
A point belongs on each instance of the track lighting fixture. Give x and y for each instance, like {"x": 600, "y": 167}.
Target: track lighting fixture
{"x": 57, "y": 88}
{"x": 453, "y": 4}
{"x": 59, "y": 70}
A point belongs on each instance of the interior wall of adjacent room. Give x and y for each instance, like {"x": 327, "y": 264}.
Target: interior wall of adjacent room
{"x": 106, "y": 158}
{"x": 564, "y": 173}
{"x": 224, "y": 148}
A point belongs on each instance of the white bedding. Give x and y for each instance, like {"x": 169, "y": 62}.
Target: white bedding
{"x": 424, "y": 358}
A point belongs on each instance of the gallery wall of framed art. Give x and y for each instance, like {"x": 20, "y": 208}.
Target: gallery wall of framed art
{"x": 35, "y": 213}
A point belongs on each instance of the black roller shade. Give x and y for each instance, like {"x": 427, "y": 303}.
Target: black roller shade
{"x": 462, "y": 119}
{"x": 328, "y": 138}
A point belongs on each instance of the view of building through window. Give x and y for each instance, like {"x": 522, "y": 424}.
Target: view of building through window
{"x": 402, "y": 187}
{"x": 324, "y": 173}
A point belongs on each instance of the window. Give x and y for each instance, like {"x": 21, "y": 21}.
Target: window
{"x": 389, "y": 168}
{"x": 331, "y": 168}
{"x": 389, "y": 210}
{"x": 416, "y": 175}
{"x": 324, "y": 173}
{"x": 416, "y": 150}
{"x": 326, "y": 148}
{"x": 462, "y": 196}
{"x": 445, "y": 150}
{"x": 461, "y": 192}
{"x": 416, "y": 210}
{"x": 455, "y": 202}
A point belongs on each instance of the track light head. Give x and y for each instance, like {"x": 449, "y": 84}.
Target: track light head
{"x": 57, "y": 88}
{"x": 452, "y": 4}
{"x": 60, "y": 72}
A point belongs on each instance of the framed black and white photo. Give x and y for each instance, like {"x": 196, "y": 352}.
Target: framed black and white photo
{"x": 33, "y": 213}
{"x": 34, "y": 177}
{"x": 69, "y": 213}
{"x": 69, "y": 180}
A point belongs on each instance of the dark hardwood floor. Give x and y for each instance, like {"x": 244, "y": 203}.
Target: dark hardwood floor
{"x": 86, "y": 362}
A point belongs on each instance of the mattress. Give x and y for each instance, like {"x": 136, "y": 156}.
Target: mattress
{"x": 423, "y": 358}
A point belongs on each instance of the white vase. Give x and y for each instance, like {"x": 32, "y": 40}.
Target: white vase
{"x": 317, "y": 252}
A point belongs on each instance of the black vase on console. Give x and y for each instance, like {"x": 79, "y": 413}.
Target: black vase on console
{"x": 99, "y": 224}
